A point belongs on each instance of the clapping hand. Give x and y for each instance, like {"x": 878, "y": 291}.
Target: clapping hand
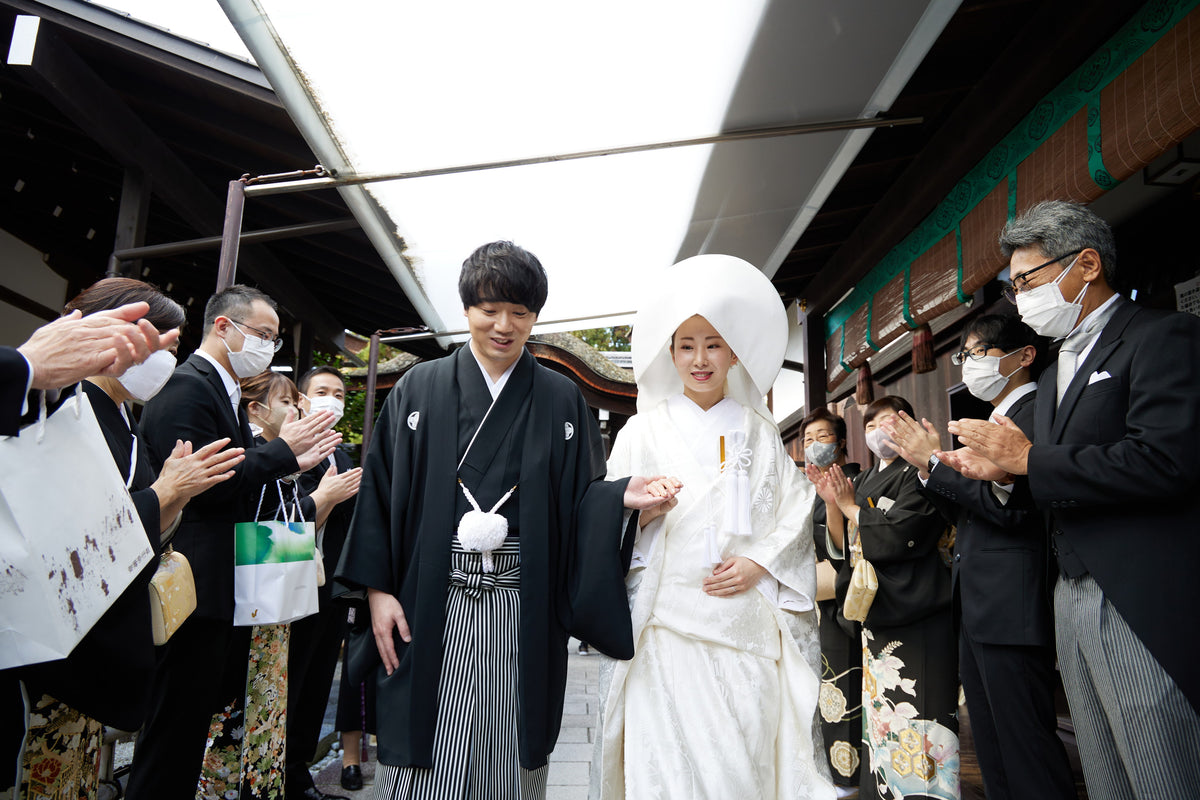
{"x": 311, "y": 439}
{"x": 914, "y": 442}
{"x": 1001, "y": 442}
{"x": 832, "y": 485}
{"x": 106, "y": 343}
{"x": 970, "y": 464}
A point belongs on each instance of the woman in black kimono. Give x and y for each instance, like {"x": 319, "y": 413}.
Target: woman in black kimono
{"x": 824, "y": 437}
{"x": 910, "y": 666}
{"x": 106, "y": 679}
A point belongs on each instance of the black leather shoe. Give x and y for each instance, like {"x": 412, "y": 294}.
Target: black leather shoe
{"x": 316, "y": 794}
{"x": 352, "y": 777}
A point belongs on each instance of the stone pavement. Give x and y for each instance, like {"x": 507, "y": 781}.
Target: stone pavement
{"x": 570, "y": 763}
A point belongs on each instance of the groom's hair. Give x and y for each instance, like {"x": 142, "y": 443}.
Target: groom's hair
{"x": 501, "y": 272}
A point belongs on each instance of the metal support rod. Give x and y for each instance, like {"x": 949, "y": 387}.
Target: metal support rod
{"x": 369, "y": 406}
{"x": 231, "y": 234}
{"x": 732, "y": 136}
{"x": 249, "y": 237}
{"x": 417, "y": 337}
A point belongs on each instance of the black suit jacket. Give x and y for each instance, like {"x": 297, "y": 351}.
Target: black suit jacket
{"x": 336, "y": 526}
{"x": 1118, "y": 467}
{"x": 1000, "y": 555}
{"x": 194, "y": 407}
{"x": 14, "y": 375}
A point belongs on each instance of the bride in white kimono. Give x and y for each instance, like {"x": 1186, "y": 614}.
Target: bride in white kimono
{"x": 720, "y": 698}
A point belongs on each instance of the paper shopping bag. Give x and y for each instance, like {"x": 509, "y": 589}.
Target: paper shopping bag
{"x": 274, "y": 568}
{"x": 71, "y": 540}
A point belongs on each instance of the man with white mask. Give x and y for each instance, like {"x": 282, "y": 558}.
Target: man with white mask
{"x": 204, "y": 664}
{"x": 1114, "y": 461}
{"x": 1000, "y": 578}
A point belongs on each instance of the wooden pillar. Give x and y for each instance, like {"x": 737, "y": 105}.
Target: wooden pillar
{"x": 131, "y": 221}
{"x": 814, "y": 362}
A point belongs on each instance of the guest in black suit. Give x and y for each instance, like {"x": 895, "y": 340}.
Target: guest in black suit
{"x": 105, "y": 681}
{"x": 1000, "y": 578}
{"x": 72, "y": 348}
{"x": 1115, "y": 462}
{"x": 204, "y": 664}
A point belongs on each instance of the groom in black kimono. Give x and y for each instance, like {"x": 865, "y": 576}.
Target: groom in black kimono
{"x": 442, "y": 634}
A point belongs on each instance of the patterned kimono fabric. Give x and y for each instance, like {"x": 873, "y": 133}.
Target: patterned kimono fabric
{"x": 910, "y": 670}
{"x": 475, "y": 744}
{"x": 246, "y": 749}
{"x": 719, "y": 700}
{"x": 841, "y": 669}
{"x": 61, "y": 760}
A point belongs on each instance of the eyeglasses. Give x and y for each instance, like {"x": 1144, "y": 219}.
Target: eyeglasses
{"x": 822, "y": 437}
{"x": 1021, "y": 282}
{"x": 266, "y": 336}
{"x": 976, "y": 353}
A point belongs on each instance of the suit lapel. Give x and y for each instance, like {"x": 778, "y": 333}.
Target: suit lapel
{"x": 205, "y": 368}
{"x": 1110, "y": 339}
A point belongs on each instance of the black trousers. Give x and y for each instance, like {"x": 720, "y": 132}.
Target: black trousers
{"x": 1010, "y": 697}
{"x": 202, "y": 669}
{"x": 312, "y": 659}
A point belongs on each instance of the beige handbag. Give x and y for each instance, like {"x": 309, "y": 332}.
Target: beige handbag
{"x": 826, "y": 579}
{"x": 863, "y": 582}
{"x": 172, "y": 595}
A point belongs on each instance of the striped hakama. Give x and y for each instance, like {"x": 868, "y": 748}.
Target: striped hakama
{"x": 475, "y": 744}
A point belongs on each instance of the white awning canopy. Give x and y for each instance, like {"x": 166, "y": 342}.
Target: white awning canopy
{"x": 403, "y": 87}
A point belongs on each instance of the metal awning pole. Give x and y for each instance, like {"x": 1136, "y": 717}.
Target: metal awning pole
{"x": 369, "y": 406}
{"x": 247, "y": 237}
{"x": 231, "y": 235}
{"x": 304, "y": 185}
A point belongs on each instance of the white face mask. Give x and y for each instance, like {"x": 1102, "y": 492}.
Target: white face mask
{"x": 327, "y": 403}
{"x": 144, "y": 380}
{"x": 254, "y": 357}
{"x": 821, "y": 454}
{"x": 983, "y": 378}
{"x": 879, "y": 443}
{"x": 1044, "y": 308}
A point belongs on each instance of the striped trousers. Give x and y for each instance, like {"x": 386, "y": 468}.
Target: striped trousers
{"x": 475, "y": 741}
{"x": 1138, "y": 735}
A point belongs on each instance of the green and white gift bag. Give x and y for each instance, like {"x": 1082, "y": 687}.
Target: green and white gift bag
{"x": 274, "y": 568}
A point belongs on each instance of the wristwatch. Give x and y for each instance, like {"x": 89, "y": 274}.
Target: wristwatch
{"x": 933, "y": 462}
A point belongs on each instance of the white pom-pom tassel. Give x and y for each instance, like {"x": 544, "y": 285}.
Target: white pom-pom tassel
{"x": 482, "y": 532}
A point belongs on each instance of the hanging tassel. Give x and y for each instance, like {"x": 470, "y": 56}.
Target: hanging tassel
{"x": 743, "y": 504}
{"x": 922, "y": 351}
{"x": 714, "y": 551}
{"x": 864, "y": 392}
{"x": 736, "y": 521}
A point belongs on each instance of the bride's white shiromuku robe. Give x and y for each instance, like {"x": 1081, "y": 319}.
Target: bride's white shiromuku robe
{"x": 720, "y": 698}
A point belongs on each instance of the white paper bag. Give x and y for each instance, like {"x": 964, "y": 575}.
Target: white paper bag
{"x": 71, "y": 540}
{"x": 274, "y": 571}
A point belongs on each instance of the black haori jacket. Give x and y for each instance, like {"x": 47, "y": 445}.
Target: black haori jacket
{"x": 569, "y": 523}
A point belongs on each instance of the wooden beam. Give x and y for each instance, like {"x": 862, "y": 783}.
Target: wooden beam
{"x": 64, "y": 79}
